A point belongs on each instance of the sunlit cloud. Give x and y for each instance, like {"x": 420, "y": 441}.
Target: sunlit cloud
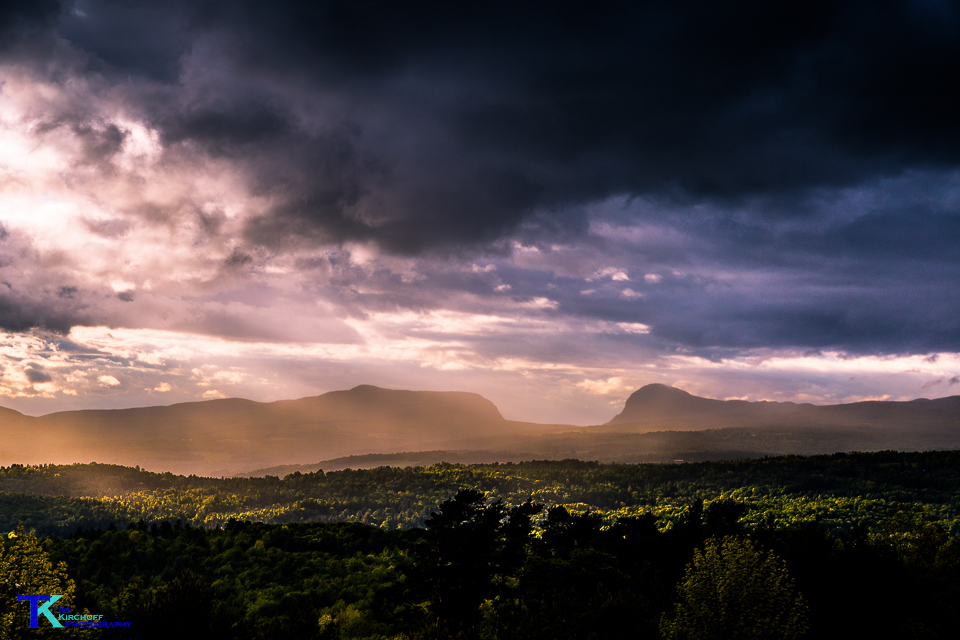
{"x": 605, "y": 387}
{"x": 185, "y": 222}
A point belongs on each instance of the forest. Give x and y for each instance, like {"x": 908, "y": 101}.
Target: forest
{"x": 786, "y": 547}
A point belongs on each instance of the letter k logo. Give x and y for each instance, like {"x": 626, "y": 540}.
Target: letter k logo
{"x": 36, "y": 609}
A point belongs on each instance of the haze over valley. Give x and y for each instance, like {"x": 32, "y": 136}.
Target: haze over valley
{"x": 368, "y": 426}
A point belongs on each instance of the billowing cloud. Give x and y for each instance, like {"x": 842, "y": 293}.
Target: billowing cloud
{"x": 526, "y": 189}
{"x": 417, "y": 126}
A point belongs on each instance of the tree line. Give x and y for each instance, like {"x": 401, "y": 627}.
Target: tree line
{"x": 482, "y": 569}
{"x": 788, "y": 547}
{"x": 841, "y": 491}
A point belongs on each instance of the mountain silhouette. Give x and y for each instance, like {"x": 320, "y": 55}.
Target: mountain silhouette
{"x": 367, "y": 426}
{"x": 658, "y": 407}
{"x": 229, "y": 435}
{"x": 656, "y": 402}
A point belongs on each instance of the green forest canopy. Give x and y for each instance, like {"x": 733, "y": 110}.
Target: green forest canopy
{"x": 840, "y": 491}
{"x": 543, "y": 549}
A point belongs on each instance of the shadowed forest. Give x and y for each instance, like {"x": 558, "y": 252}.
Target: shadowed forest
{"x": 825, "y": 546}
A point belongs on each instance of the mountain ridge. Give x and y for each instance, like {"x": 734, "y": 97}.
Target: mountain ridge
{"x": 660, "y": 407}
{"x": 229, "y": 434}
{"x": 658, "y": 423}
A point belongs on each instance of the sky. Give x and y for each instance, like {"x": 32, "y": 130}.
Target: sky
{"x": 547, "y": 203}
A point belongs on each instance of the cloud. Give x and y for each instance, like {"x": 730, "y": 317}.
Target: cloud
{"x": 435, "y": 125}
{"x": 614, "y": 385}
{"x": 36, "y": 374}
{"x": 478, "y": 184}
{"x": 32, "y": 293}
{"x": 21, "y": 20}
{"x": 633, "y": 327}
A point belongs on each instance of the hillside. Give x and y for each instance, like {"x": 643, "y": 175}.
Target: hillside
{"x": 221, "y": 437}
{"x": 367, "y": 426}
{"x": 666, "y": 424}
{"x": 657, "y": 407}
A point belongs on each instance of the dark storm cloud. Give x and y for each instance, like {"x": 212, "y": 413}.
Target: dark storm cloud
{"x": 884, "y": 282}
{"x": 147, "y": 38}
{"x": 228, "y": 127}
{"x": 21, "y": 311}
{"x": 99, "y": 147}
{"x": 874, "y": 271}
{"x": 806, "y": 151}
{"x": 471, "y": 117}
{"x": 20, "y": 20}
{"x": 36, "y": 374}
{"x": 33, "y": 294}
{"x": 27, "y": 300}
{"x": 237, "y": 259}
{"x": 898, "y": 318}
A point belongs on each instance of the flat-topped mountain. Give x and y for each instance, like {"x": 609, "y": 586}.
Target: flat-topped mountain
{"x": 432, "y": 414}
{"x": 229, "y": 435}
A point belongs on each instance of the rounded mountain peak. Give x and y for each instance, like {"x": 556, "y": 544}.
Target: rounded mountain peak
{"x": 657, "y": 392}
{"x": 662, "y": 402}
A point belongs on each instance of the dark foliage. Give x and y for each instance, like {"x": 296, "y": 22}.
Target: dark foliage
{"x": 488, "y": 565}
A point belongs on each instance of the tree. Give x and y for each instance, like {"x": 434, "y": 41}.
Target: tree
{"x": 468, "y": 541}
{"x": 734, "y": 591}
{"x": 26, "y": 569}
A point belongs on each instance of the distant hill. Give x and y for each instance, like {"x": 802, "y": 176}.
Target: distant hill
{"x": 664, "y": 424}
{"x": 367, "y": 426}
{"x": 221, "y": 437}
{"x": 657, "y": 407}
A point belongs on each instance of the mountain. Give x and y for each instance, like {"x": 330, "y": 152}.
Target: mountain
{"x": 663, "y": 424}
{"x": 659, "y": 402}
{"x": 221, "y": 437}
{"x": 657, "y": 407}
{"x": 368, "y": 426}
{"x": 383, "y": 412}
